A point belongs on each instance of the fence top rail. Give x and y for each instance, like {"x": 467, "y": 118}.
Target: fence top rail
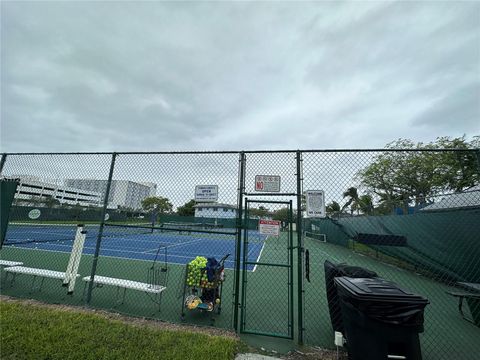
{"x": 240, "y": 151}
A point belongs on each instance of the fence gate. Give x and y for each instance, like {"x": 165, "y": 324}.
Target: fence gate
{"x": 267, "y": 276}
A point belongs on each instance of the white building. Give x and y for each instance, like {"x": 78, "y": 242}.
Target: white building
{"x": 123, "y": 193}
{"x": 215, "y": 210}
{"x": 31, "y": 189}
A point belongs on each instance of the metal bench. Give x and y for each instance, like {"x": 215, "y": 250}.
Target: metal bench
{"x": 43, "y": 273}
{"x": 473, "y": 301}
{"x": 99, "y": 281}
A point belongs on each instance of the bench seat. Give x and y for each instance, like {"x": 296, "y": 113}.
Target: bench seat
{"x": 8, "y": 263}
{"x": 128, "y": 284}
{"x": 43, "y": 273}
{"x": 36, "y": 272}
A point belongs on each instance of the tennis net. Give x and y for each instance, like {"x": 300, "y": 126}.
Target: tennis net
{"x": 26, "y": 233}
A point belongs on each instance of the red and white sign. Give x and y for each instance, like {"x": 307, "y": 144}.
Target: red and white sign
{"x": 269, "y": 227}
{"x": 267, "y": 183}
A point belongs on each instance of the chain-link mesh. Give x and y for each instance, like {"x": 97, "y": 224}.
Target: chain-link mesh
{"x": 409, "y": 217}
{"x": 412, "y": 218}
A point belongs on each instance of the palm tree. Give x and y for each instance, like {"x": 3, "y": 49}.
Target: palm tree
{"x": 353, "y": 201}
{"x": 333, "y": 208}
{"x": 365, "y": 204}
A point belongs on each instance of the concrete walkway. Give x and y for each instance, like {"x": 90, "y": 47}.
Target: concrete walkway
{"x": 254, "y": 357}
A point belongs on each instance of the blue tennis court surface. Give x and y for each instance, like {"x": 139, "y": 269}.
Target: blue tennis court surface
{"x": 182, "y": 247}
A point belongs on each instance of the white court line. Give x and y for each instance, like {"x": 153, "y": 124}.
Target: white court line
{"x": 129, "y": 259}
{"x": 171, "y": 246}
{"x": 121, "y": 250}
{"x": 260, "y": 254}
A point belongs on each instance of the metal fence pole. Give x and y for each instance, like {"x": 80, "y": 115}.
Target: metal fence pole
{"x": 100, "y": 231}
{"x": 241, "y": 190}
{"x": 477, "y": 152}
{"x": 299, "y": 247}
{"x": 2, "y": 162}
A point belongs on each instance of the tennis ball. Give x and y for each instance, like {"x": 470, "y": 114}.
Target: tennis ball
{"x": 217, "y": 301}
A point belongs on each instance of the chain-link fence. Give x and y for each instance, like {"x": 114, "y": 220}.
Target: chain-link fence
{"x": 224, "y": 238}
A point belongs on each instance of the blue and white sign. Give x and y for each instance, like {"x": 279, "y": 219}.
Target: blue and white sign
{"x": 206, "y": 193}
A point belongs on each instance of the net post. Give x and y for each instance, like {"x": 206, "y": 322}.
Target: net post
{"x": 100, "y": 231}
{"x": 299, "y": 246}
{"x": 241, "y": 190}
{"x": 2, "y": 162}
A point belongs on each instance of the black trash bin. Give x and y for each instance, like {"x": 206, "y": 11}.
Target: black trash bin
{"x": 331, "y": 272}
{"x": 381, "y": 320}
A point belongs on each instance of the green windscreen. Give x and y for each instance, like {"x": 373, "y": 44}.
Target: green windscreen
{"x": 7, "y": 192}
{"x": 441, "y": 242}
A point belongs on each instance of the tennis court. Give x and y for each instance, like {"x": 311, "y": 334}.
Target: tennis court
{"x": 135, "y": 242}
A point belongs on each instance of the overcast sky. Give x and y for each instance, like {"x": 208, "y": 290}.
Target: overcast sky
{"x": 113, "y": 76}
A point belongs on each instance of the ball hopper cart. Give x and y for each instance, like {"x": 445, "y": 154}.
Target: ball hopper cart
{"x": 202, "y": 294}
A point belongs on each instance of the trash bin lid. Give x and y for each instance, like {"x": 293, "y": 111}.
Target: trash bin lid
{"x": 376, "y": 289}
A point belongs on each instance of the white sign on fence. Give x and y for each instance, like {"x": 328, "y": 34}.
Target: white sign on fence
{"x": 206, "y": 193}
{"x": 267, "y": 183}
{"x": 269, "y": 227}
{"x": 315, "y": 203}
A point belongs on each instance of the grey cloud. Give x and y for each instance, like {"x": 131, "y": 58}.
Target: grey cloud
{"x": 456, "y": 112}
{"x": 171, "y": 76}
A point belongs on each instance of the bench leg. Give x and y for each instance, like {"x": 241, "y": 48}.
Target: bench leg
{"x": 14, "y": 275}
{"x": 41, "y": 284}
{"x": 124, "y": 291}
{"x": 6, "y": 276}
{"x": 117, "y": 301}
{"x": 460, "y": 305}
{"x": 33, "y": 283}
{"x": 84, "y": 289}
{"x": 160, "y": 302}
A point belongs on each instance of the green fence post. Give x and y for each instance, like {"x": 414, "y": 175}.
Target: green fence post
{"x": 241, "y": 190}
{"x": 299, "y": 247}
{"x": 290, "y": 275}
{"x": 478, "y": 159}
{"x": 100, "y": 231}
{"x": 2, "y": 162}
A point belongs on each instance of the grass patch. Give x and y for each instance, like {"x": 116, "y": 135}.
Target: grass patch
{"x": 35, "y": 332}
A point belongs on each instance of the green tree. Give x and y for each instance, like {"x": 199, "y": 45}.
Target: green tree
{"x": 333, "y": 208}
{"x": 401, "y": 178}
{"x": 51, "y": 202}
{"x": 187, "y": 209}
{"x": 353, "y": 199}
{"x": 283, "y": 214}
{"x": 365, "y": 204}
{"x": 261, "y": 212}
{"x": 157, "y": 204}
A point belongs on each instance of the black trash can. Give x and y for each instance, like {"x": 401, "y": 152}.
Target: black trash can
{"x": 381, "y": 320}
{"x": 331, "y": 272}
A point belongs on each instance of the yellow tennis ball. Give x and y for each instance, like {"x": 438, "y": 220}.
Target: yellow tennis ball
{"x": 217, "y": 301}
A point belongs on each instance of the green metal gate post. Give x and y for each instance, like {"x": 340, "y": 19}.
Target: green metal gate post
{"x": 299, "y": 247}
{"x": 241, "y": 190}
{"x": 290, "y": 260}
{"x": 244, "y": 267}
{"x": 100, "y": 230}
